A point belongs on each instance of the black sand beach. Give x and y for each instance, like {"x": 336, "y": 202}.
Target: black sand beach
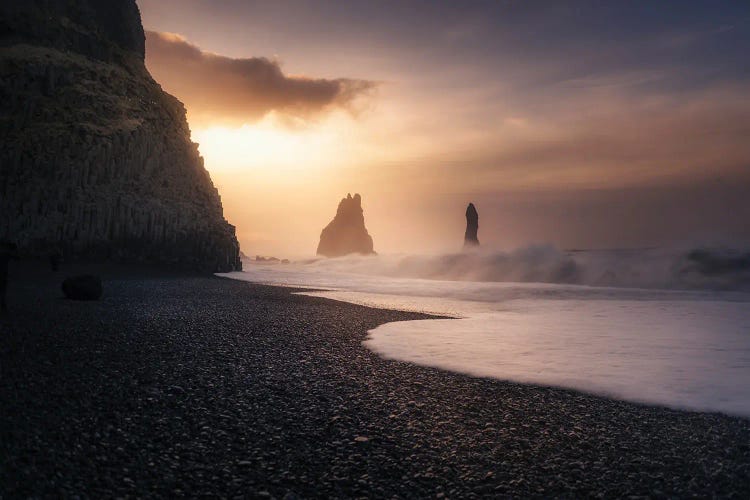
{"x": 191, "y": 386}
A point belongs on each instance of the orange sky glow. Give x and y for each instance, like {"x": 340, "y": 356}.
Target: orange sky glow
{"x": 627, "y": 154}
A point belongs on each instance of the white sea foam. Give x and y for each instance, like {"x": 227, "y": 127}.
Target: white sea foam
{"x": 681, "y": 348}
{"x": 632, "y": 268}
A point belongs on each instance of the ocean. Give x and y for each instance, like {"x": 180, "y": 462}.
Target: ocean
{"x": 655, "y": 326}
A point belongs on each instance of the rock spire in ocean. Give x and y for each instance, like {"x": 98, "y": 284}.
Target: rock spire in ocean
{"x": 346, "y": 233}
{"x": 96, "y": 159}
{"x": 472, "y": 226}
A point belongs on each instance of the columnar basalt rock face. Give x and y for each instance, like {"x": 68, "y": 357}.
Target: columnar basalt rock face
{"x": 346, "y": 233}
{"x": 472, "y": 226}
{"x": 96, "y": 159}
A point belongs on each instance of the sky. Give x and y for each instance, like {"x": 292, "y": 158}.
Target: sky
{"x": 586, "y": 124}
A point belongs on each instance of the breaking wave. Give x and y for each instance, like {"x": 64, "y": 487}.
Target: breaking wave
{"x": 658, "y": 329}
{"x": 719, "y": 269}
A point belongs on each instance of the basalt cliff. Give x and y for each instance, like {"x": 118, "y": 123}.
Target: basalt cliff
{"x": 96, "y": 159}
{"x": 346, "y": 233}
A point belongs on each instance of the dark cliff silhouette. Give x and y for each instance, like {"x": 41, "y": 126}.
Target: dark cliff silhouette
{"x": 97, "y": 160}
{"x": 346, "y": 233}
{"x": 472, "y": 226}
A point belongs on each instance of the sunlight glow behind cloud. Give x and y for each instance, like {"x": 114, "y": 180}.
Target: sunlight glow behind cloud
{"x": 266, "y": 147}
{"x": 220, "y": 89}
{"x": 618, "y": 124}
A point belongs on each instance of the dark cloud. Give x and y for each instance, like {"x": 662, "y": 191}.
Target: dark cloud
{"x": 220, "y": 89}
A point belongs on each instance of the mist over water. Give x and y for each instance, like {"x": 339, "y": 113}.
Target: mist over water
{"x": 631, "y": 268}
{"x": 668, "y": 327}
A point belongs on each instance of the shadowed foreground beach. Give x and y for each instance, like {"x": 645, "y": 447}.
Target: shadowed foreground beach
{"x": 193, "y": 386}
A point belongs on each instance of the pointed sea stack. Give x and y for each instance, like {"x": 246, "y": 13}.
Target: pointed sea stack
{"x": 472, "y": 226}
{"x": 346, "y": 233}
{"x": 96, "y": 159}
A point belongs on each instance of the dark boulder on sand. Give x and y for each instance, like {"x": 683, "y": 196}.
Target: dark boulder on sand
{"x": 84, "y": 287}
{"x": 472, "y": 226}
{"x": 346, "y": 233}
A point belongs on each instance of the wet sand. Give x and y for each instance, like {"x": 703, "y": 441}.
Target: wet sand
{"x": 184, "y": 386}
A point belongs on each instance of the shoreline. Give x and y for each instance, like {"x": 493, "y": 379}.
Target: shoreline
{"x": 492, "y": 342}
{"x": 189, "y": 385}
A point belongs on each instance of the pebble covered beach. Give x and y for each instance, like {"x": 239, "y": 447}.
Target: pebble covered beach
{"x": 187, "y": 386}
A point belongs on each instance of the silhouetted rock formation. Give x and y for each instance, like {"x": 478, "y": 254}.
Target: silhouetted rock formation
{"x": 346, "y": 233}
{"x": 96, "y": 158}
{"x": 472, "y": 226}
{"x": 84, "y": 287}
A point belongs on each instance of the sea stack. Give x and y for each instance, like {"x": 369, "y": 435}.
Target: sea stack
{"x": 346, "y": 233}
{"x": 472, "y": 226}
{"x": 97, "y": 160}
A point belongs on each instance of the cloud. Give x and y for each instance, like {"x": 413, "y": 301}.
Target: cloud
{"x": 220, "y": 89}
{"x": 638, "y": 139}
{"x": 587, "y": 137}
